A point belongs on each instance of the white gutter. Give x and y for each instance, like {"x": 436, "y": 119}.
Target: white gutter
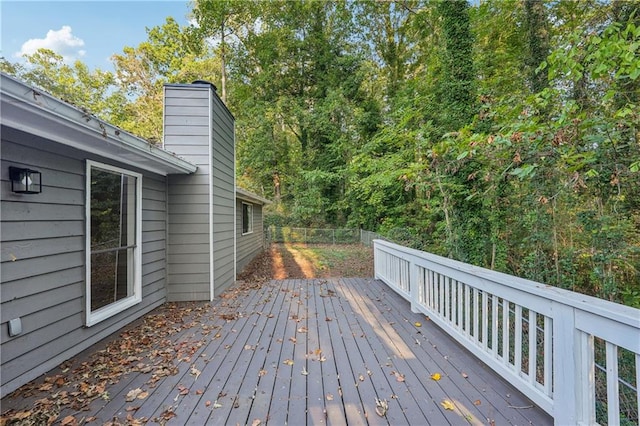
{"x": 34, "y": 111}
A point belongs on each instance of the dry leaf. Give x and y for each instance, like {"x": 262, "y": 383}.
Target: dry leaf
{"x": 417, "y": 324}
{"x": 262, "y": 373}
{"x": 293, "y": 339}
{"x": 477, "y": 402}
{"x": 199, "y": 391}
{"x": 302, "y": 330}
{"x": 304, "y": 372}
{"x": 69, "y": 421}
{"x": 361, "y": 377}
{"x": 195, "y": 372}
{"x": 288, "y": 362}
{"x": 256, "y": 422}
{"x": 143, "y": 395}
{"x": 399, "y": 377}
{"x": 381, "y": 407}
{"x": 208, "y": 403}
{"x": 248, "y": 347}
{"x": 448, "y": 405}
{"x": 329, "y": 397}
{"x": 217, "y": 405}
{"x": 436, "y": 376}
{"x": 132, "y": 408}
{"x": 328, "y": 319}
{"x": 465, "y": 375}
{"x": 132, "y": 394}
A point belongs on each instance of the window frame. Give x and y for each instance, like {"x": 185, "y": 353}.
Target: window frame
{"x": 250, "y": 217}
{"x": 107, "y": 311}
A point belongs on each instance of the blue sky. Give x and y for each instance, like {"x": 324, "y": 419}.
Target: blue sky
{"x": 88, "y": 30}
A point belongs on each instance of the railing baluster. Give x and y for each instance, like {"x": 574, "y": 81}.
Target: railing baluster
{"x": 476, "y": 313}
{"x": 485, "y": 320}
{"x": 467, "y": 309}
{"x": 441, "y": 295}
{"x": 447, "y": 309}
{"x": 613, "y": 395}
{"x": 505, "y": 331}
{"x": 533, "y": 347}
{"x": 548, "y": 350}
{"x": 517, "y": 349}
{"x": 638, "y": 381}
{"x": 460, "y": 304}
{"x": 494, "y": 325}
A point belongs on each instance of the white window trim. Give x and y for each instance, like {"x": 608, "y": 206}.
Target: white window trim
{"x": 250, "y": 231}
{"x": 92, "y": 318}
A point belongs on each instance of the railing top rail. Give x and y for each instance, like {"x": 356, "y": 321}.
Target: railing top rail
{"x": 611, "y": 310}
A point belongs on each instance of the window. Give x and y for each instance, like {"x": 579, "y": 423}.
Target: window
{"x": 247, "y": 218}
{"x": 114, "y": 234}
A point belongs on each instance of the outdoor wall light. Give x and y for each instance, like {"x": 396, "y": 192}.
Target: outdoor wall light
{"x": 25, "y": 181}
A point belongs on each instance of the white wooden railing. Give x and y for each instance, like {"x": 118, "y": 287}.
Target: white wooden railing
{"x": 541, "y": 339}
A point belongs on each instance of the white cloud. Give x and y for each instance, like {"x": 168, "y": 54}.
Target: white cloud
{"x": 62, "y": 41}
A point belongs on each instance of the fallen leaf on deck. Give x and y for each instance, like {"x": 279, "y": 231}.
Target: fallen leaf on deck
{"x": 329, "y": 397}
{"x": 132, "y": 394}
{"x": 448, "y": 405}
{"x": 168, "y": 414}
{"x": 293, "y": 339}
{"x": 328, "y": 319}
{"x": 132, "y": 408}
{"x": 69, "y": 421}
{"x": 304, "y": 372}
{"x": 361, "y": 377}
{"x": 381, "y": 407}
{"x": 256, "y": 422}
{"x": 199, "y": 391}
{"x": 477, "y": 402}
{"x": 418, "y": 324}
{"x": 208, "y": 403}
{"x": 436, "y": 376}
{"x": 262, "y": 373}
{"x": 465, "y": 375}
{"x": 399, "y": 377}
{"x": 195, "y": 372}
{"x": 143, "y": 395}
{"x": 217, "y": 405}
{"x": 302, "y": 330}
{"x": 288, "y": 362}
{"x": 248, "y": 347}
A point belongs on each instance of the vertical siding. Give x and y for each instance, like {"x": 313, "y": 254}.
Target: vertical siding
{"x": 250, "y": 245}
{"x": 43, "y": 259}
{"x": 186, "y": 133}
{"x": 223, "y": 159}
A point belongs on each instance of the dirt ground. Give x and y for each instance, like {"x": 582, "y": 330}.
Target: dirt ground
{"x": 282, "y": 261}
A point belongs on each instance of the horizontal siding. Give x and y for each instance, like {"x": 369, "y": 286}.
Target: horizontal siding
{"x": 186, "y": 126}
{"x": 223, "y": 197}
{"x": 250, "y": 245}
{"x": 43, "y": 258}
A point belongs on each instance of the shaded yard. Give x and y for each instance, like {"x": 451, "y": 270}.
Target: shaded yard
{"x": 287, "y": 261}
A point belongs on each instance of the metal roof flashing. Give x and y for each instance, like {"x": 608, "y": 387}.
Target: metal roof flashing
{"x": 34, "y": 111}
{"x": 243, "y": 194}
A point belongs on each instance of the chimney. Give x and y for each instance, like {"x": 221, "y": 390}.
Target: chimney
{"x": 201, "y": 221}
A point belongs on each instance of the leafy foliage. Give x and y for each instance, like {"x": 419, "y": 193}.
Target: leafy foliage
{"x": 503, "y": 133}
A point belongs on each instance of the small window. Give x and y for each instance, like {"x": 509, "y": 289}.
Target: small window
{"x": 247, "y": 218}
{"x": 114, "y": 234}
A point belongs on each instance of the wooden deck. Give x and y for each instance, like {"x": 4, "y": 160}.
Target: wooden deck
{"x": 286, "y": 352}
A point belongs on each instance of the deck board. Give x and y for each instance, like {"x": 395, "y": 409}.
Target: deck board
{"x": 355, "y": 338}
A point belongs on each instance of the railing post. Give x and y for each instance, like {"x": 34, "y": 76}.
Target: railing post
{"x": 571, "y": 366}
{"x": 413, "y": 284}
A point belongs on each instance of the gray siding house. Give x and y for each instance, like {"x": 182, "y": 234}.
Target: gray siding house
{"x": 250, "y": 236}
{"x": 119, "y": 227}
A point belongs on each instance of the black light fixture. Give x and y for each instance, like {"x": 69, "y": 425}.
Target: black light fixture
{"x": 25, "y": 181}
